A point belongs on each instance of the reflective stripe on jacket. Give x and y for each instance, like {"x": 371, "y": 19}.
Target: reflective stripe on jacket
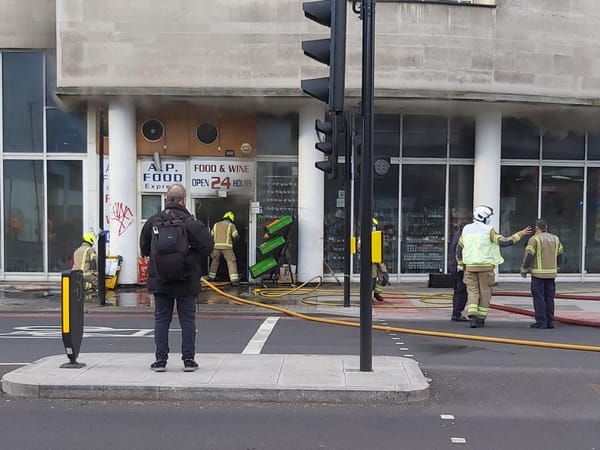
{"x": 224, "y": 233}
{"x": 84, "y": 259}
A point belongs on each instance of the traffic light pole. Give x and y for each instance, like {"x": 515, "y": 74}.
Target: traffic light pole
{"x": 347, "y": 204}
{"x": 101, "y": 258}
{"x": 366, "y": 185}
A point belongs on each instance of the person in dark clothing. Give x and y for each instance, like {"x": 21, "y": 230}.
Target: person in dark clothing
{"x": 459, "y": 295}
{"x": 183, "y": 291}
{"x": 543, "y": 256}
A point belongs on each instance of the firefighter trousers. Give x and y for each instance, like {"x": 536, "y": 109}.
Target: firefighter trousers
{"x": 229, "y": 256}
{"x": 479, "y": 292}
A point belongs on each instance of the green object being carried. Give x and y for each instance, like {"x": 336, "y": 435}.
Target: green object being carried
{"x": 263, "y": 266}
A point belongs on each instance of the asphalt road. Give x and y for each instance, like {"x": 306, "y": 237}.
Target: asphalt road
{"x": 483, "y": 395}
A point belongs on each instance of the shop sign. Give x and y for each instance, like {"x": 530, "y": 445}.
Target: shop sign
{"x": 211, "y": 176}
{"x": 153, "y": 179}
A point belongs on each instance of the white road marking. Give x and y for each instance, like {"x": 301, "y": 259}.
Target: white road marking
{"x": 14, "y": 364}
{"x": 447, "y": 416}
{"x": 458, "y": 440}
{"x": 257, "y": 342}
{"x": 142, "y": 332}
{"x": 409, "y": 356}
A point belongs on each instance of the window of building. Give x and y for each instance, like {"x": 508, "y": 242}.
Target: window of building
{"x": 65, "y": 132}
{"x": 563, "y": 145}
{"x": 423, "y": 218}
{"x": 151, "y": 204}
{"x": 593, "y": 146}
{"x": 592, "y": 247}
{"x": 277, "y": 135}
{"x": 424, "y": 136}
{"x": 386, "y": 135}
{"x": 562, "y": 208}
{"x": 518, "y": 208}
{"x": 24, "y": 216}
{"x": 520, "y": 139}
{"x": 22, "y": 102}
{"x": 462, "y": 137}
{"x": 65, "y": 212}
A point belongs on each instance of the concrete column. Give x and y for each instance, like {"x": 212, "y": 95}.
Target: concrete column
{"x": 122, "y": 182}
{"x": 310, "y": 195}
{"x": 488, "y": 144}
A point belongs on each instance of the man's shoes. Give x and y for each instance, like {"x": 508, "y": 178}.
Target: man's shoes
{"x": 189, "y": 365}
{"x": 538, "y": 325}
{"x": 474, "y": 321}
{"x": 160, "y": 365}
{"x": 460, "y": 318}
{"x": 550, "y": 325}
{"x": 378, "y": 296}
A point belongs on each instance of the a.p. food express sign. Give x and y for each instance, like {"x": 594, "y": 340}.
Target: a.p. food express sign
{"x": 152, "y": 179}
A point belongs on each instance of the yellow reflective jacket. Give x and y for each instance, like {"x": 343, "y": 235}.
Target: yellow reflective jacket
{"x": 224, "y": 233}
{"x": 479, "y": 247}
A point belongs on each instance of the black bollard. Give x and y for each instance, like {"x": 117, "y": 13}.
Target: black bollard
{"x": 72, "y": 316}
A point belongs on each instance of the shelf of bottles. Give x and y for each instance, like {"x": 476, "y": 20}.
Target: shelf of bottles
{"x": 278, "y": 195}
{"x": 423, "y": 242}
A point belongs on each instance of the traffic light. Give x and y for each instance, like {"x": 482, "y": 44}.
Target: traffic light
{"x": 331, "y": 51}
{"x": 326, "y": 144}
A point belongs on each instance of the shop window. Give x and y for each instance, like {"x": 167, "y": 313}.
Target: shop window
{"x": 462, "y": 137}
{"x": 334, "y": 220}
{"x": 151, "y": 204}
{"x": 567, "y": 145}
{"x": 423, "y": 218}
{"x": 592, "y": 247}
{"x": 22, "y": 102}
{"x": 518, "y": 208}
{"x": 460, "y": 197}
{"x": 24, "y": 218}
{"x": 386, "y": 135}
{"x": 520, "y": 139}
{"x": 594, "y": 146}
{"x": 51, "y": 99}
{"x": 65, "y": 212}
{"x": 562, "y": 208}
{"x": 424, "y": 136}
{"x": 277, "y": 135}
{"x": 65, "y": 132}
{"x": 277, "y": 192}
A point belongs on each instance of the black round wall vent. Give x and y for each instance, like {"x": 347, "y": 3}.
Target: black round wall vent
{"x": 207, "y": 133}
{"x": 153, "y": 130}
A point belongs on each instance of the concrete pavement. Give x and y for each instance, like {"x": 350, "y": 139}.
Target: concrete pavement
{"x": 263, "y": 377}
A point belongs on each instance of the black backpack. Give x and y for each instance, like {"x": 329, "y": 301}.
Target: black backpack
{"x": 169, "y": 247}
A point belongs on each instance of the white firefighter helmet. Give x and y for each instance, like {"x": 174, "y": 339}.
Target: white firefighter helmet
{"x": 483, "y": 213}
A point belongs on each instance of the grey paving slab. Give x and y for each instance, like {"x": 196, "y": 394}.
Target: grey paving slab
{"x": 319, "y": 378}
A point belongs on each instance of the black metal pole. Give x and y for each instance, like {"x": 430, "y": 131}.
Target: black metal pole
{"x": 101, "y": 234}
{"x": 366, "y": 186}
{"x": 347, "y": 205}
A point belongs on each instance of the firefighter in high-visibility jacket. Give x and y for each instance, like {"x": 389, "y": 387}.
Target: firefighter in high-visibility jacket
{"x": 543, "y": 255}
{"x": 225, "y": 234}
{"x": 478, "y": 251}
{"x": 86, "y": 260}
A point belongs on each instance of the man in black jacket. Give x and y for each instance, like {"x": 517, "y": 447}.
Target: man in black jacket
{"x": 184, "y": 291}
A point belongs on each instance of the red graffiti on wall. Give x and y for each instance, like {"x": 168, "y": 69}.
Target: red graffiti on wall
{"x": 122, "y": 214}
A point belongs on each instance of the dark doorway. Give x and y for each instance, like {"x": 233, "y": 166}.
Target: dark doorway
{"x": 210, "y": 211}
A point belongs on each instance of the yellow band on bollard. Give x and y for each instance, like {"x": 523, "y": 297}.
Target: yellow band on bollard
{"x": 66, "y": 325}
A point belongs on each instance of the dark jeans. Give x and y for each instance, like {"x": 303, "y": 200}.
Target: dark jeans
{"x": 459, "y": 297}
{"x": 163, "y": 314}
{"x": 543, "y": 300}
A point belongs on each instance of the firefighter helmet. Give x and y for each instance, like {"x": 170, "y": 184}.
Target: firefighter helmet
{"x": 375, "y": 221}
{"x": 89, "y": 238}
{"x": 229, "y": 215}
{"x": 483, "y": 213}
